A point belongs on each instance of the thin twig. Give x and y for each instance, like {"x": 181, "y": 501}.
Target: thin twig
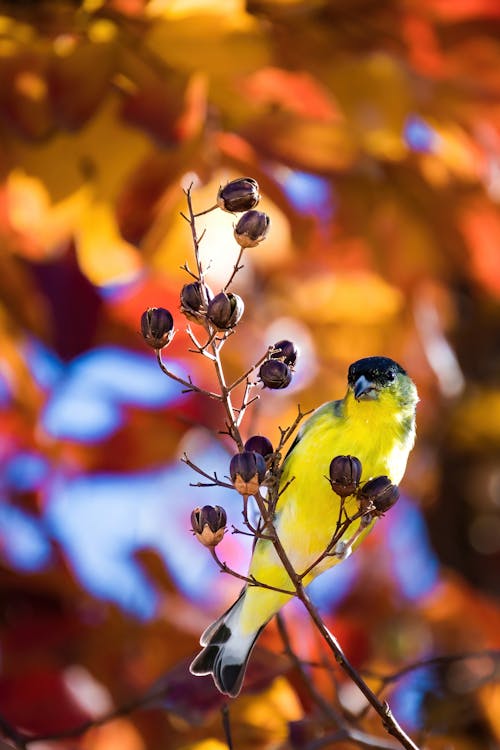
{"x": 200, "y": 348}
{"x": 206, "y": 211}
{"x": 214, "y": 480}
{"x": 215, "y": 345}
{"x": 196, "y": 239}
{"x": 226, "y": 725}
{"x": 336, "y": 538}
{"x": 287, "y": 433}
{"x": 249, "y": 371}
{"x": 493, "y": 654}
{"x": 237, "y": 267}
{"x": 327, "y": 709}
{"x": 190, "y": 386}
{"x": 249, "y": 580}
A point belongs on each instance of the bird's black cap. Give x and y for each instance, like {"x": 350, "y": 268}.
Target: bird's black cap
{"x": 378, "y": 370}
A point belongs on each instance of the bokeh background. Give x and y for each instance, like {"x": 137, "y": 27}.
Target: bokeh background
{"x": 373, "y": 129}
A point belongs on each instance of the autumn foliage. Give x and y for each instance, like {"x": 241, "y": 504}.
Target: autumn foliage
{"x": 373, "y": 130}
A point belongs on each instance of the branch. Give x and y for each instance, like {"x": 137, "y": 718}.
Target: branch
{"x": 226, "y": 725}
{"x": 250, "y": 370}
{"x": 214, "y": 480}
{"x": 287, "y": 433}
{"x": 190, "y": 386}
{"x": 215, "y": 344}
{"x": 249, "y": 580}
{"x": 237, "y": 267}
{"x": 493, "y": 654}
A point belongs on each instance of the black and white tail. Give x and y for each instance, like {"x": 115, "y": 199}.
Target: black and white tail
{"x": 226, "y": 650}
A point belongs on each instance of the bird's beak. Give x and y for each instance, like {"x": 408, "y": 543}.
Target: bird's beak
{"x": 365, "y": 390}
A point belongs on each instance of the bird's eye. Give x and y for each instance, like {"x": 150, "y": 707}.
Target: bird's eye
{"x": 391, "y": 376}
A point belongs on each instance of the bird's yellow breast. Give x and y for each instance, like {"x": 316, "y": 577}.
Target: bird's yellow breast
{"x": 308, "y": 509}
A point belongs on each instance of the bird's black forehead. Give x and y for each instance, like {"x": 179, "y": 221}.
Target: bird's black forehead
{"x": 376, "y": 369}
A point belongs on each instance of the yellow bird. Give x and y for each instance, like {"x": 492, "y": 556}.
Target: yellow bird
{"x": 375, "y": 421}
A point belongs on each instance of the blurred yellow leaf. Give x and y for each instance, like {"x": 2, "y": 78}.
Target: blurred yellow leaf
{"x": 230, "y": 42}
{"x": 45, "y": 225}
{"x": 262, "y": 720}
{"x": 458, "y": 152}
{"x": 476, "y": 421}
{"x": 359, "y": 297}
{"x": 182, "y": 8}
{"x": 210, "y": 744}
{"x": 374, "y": 94}
{"x": 106, "y": 146}
{"x": 103, "y": 255}
{"x": 489, "y": 697}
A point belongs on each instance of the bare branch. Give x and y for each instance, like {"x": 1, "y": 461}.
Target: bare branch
{"x": 214, "y": 480}
{"x": 287, "y": 433}
{"x": 249, "y": 371}
{"x": 206, "y": 211}
{"x": 237, "y": 267}
{"x": 190, "y": 386}
{"x": 250, "y": 580}
{"x": 444, "y": 659}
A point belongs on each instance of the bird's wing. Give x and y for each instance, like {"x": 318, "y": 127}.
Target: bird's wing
{"x": 331, "y": 414}
{"x": 332, "y": 409}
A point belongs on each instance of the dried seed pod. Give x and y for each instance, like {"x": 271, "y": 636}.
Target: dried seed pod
{"x": 259, "y": 444}
{"x": 194, "y": 299}
{"x": 157, "y": 327}
{"x": 380, "y": 492}
{"x": 286, "y": 351}
{"x": 275, "y": 374}
{"x": 238, "y": 195}
{"x": 225, "y": 310}
{"x": 247, "y": 471}
{"x": 209, "y": 524}
{"x": 345, "y": 473}
{"x": 252, "y": 228}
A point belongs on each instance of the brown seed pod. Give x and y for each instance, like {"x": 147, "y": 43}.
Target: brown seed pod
{"x": 194, "y": 299}
{"x": 209, "y": 524}
{"x": 275, "y": 374}
{"x": 252, "y": 228}
{"x": 259, "y": 444}
{"x": 238, "y": 195}
{"x": 247, "y": 471}
{"x": 225, "y": 310}
{"x": 286, "y": 351}
{"x": 380, "y": 492}
{"x": 345, "y": 473}
{"x": 157, "y": 327}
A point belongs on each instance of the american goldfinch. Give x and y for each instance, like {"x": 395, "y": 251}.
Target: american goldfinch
{"x": 375, "y": 422}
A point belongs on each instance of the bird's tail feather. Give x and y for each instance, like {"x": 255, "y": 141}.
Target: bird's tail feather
{"x": 226, "y": 651}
